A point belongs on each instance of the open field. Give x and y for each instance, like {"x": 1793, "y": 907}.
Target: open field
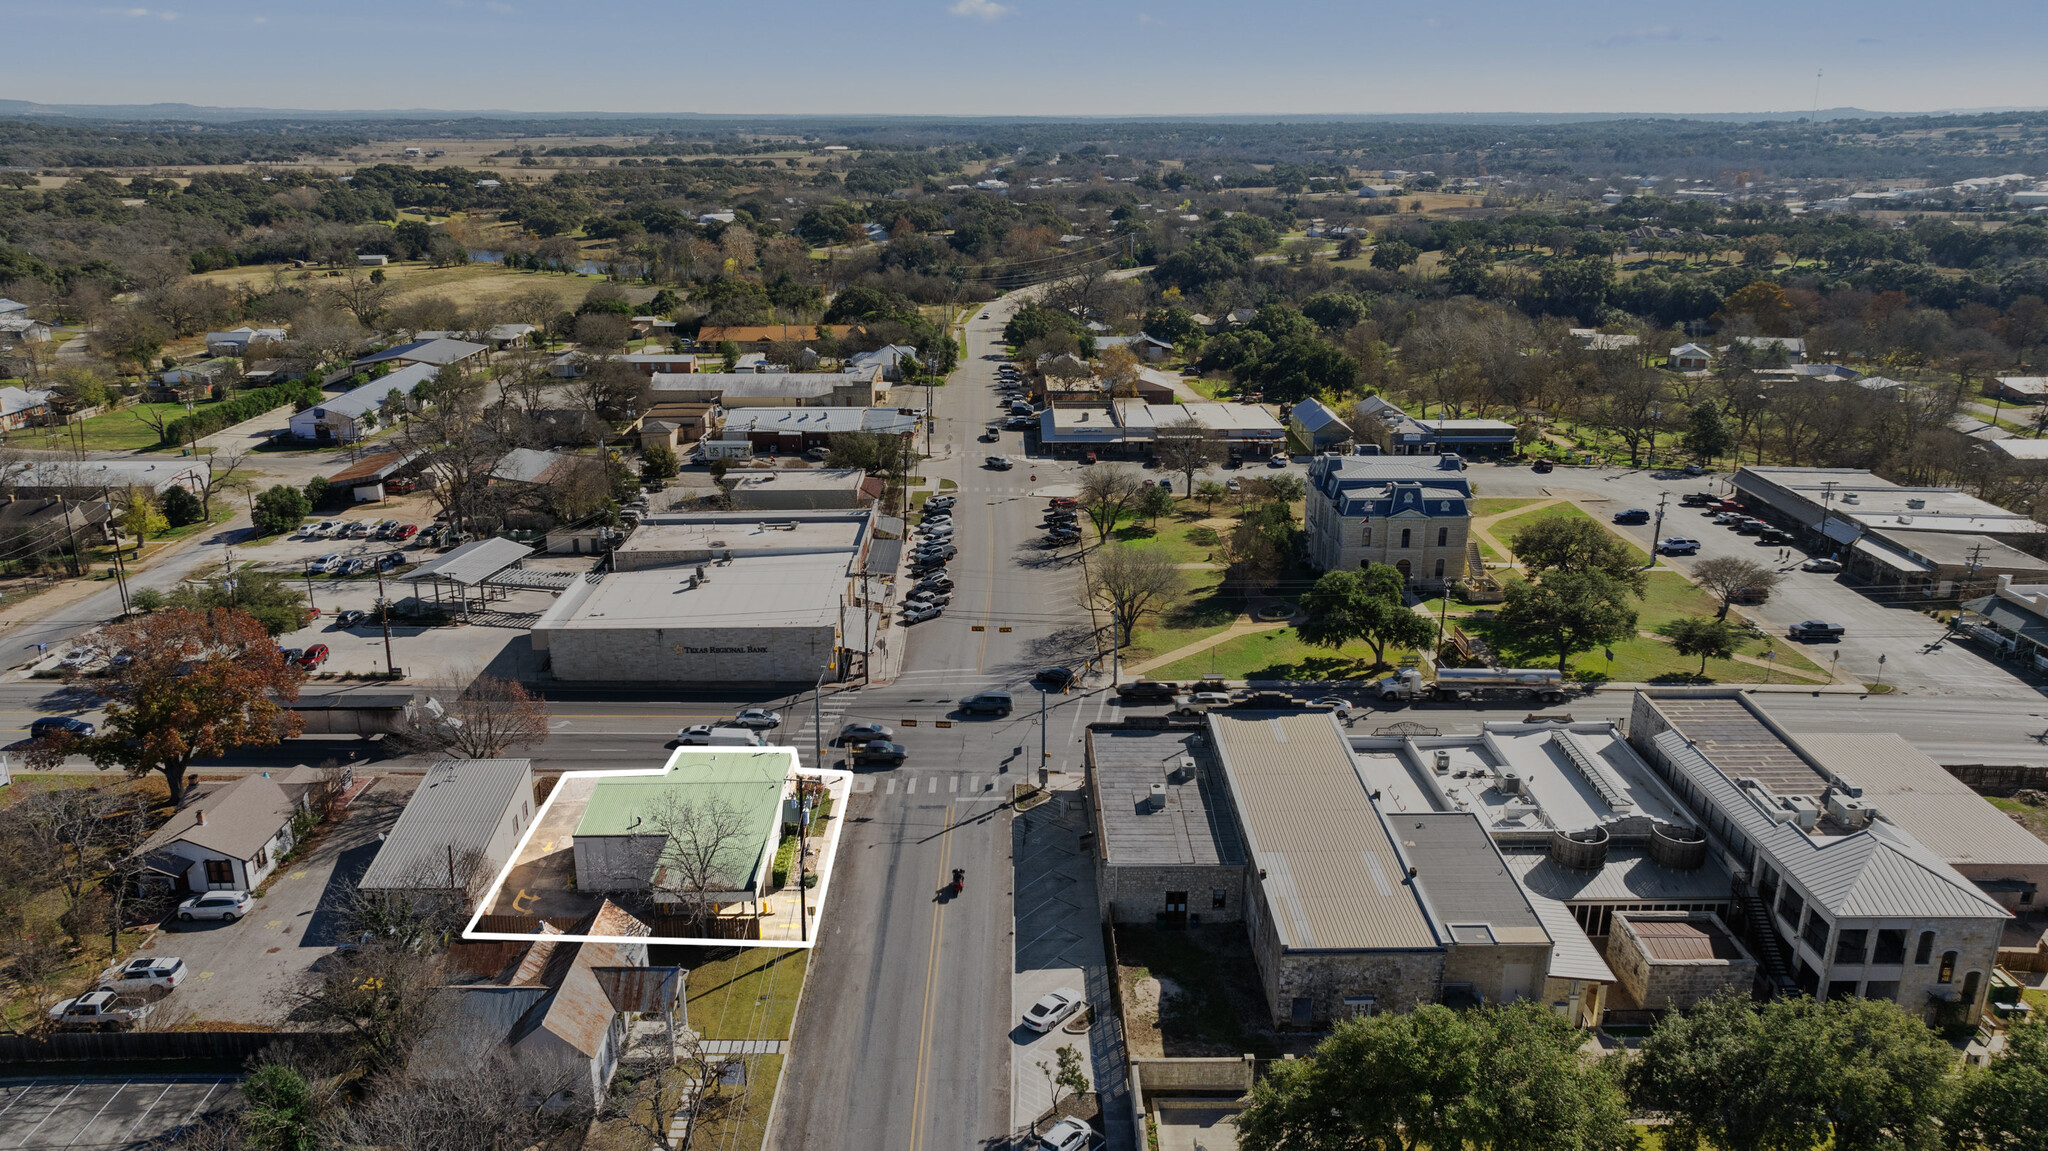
{"x": 466, "y": 285}
{"x": 1276, "y": 654}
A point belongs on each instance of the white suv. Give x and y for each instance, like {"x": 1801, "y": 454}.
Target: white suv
{"x": 1067, "y": 1135}
{"x": 227, "y": 906}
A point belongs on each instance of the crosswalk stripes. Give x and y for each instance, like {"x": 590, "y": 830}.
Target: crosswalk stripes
{"x": 963, "y": 788}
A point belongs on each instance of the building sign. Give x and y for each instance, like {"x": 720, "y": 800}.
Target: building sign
{"x": 685, "y": 649}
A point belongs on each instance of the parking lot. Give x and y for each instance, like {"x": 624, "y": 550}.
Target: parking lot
{"x": 105, "y": 1114}
{"x": 242, "y": 972}
{"x": 1873, "y": 626}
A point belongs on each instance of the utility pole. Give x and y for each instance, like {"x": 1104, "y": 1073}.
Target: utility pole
{"x": 1827, "y": 500}
{"x": 1657, "y": 532}
{"x": 383, "y": 613}
{"x": 1044, "y": 756}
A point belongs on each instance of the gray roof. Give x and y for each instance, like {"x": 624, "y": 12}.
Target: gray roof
{"x": 1463, "y": 877}
{"x": 1314, "y": 415}
{"x": 1628, "y": 876}
{"x": 1332, "y": 876}
{"x": 440, "y": 352}
{"x": 1880, "y": 872}
{"x": 1933, "y": 806}
{"x": 1739, "y": 743}
{"x": 240, "y": 817}
{"x": 815, "y": 421}
{"x": 1195, "y": 828}
{"x": 456, "y": 808}
{"x": 474, "y": 562}
{"x": 366, "y": 398}
{"x": 526, "y": 465}
{"x": 788, "y": 385}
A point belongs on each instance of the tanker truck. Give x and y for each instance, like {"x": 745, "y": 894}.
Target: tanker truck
{"x": 1466, "y": 683}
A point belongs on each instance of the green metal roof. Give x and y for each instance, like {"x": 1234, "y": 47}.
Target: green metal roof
{"x": 750, "y": 780}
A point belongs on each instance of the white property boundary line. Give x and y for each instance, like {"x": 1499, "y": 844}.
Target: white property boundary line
{"x": 838, "y": 784}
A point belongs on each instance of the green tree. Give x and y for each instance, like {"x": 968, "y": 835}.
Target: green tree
{"x": 659, "y": 463}
{"x": 268, "y": 598}
{"x": 1209, "y": 491}
{"x": 2004, "y": 1107}
{"x": 141, "y": 519}
{"x": 1535, "y": 1089}
{"x": 279, "y": 509}
{"x": 180, "y": 507}
{"x": 1394, "y": 255}
{"x": 1707, "y": 434}
{"x": 1707, "y": 638}
{"x": 1154, "y": 502}
{"x": 1347, "y": 606}
{"x": 1069, "y": 1077}
{"x": 1575, "y": 544}
{"x": 282, "y": 1110}
{"x": 317, "y": 490}
{"x": 1568, "y": 612}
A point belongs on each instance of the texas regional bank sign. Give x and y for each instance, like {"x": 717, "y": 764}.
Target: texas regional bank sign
{"x": 685, "y": 649}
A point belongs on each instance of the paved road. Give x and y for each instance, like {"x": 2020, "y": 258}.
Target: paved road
{"x": 108, "y": 1113}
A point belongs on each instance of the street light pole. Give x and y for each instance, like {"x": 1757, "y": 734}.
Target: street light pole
{"x": 1657, "y": 532}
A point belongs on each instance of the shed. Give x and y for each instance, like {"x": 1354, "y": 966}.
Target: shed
{"x": 458, "y": 829}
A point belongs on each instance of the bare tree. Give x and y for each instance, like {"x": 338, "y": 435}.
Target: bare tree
{"x": 670, "y": 1100}
{"x": 1107, "y": 492}
{"x": 220, "y": 477}
{"x": 1131, "y": 583}
{"x": 365, "y": 299}
{"x": 383, "y": 997}
{"x": 703, "y": 852}
{"x": 484, "y": 1097}
{"x": 1729, "y": 577}
{"x": 1185, "y": 446}
{"x": 483, "y": 721}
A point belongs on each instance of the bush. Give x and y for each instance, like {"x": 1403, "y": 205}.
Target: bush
{"x": 280, "y": 509}
{"x": 248, "y": 406}
{"x": 317, "y": 491}
{"x": 146, "y": 599}
{"x": 659, "y": 463}
{"x": 180, "y": 507}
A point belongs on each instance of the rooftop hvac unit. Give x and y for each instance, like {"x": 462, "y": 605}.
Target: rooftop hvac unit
{"x": 1157, "y": 800}
{"x": 1443, "y": 762}
{"x": 1916, "y": 504}
{"x": 1510, "y": 783}
{"x": 1851, "y": 813}
{"x": 1851, "y": 497}
{"x": 1183, "y": 769}
{"x": 1805, "y": 812}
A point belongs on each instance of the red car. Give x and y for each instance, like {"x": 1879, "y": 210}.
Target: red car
{"x": 400, "y": 487}
{"x": 313, "y": 657}
{"x": 1065, "y": 502}
{"x": 406, "y": 532}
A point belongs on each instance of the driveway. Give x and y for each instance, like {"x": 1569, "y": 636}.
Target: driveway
{"x": 107, "y": 1114}
{"x": 243, "y": 972}
{"x": 1874, "y": 625}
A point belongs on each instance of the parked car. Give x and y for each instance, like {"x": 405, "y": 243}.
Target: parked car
{"x": 991, "y": 435}
{"x": 1233, "y": 483}
{"x": 356, "y": 530}
{"x": 878, "y": 752}
{"x": 390, "y": 560}
{"x": 1057, "y": 678}
{"x": 226, "y": 906}
{"x": 1725, "y": 518}
{"x": 1068, "y": 1134}
{"x": 999, "y": 463}
{"x": 1020, "y": 423}
{"x": 1209, "y": 698}
{"x": 383, "y": 529}
{"x": 1678, "y": 546}
{"x": 1815, "y": 629}
{"x": 145, "y": 975}
{"x": 1147, "y": 690}
{"x": 712, "y": 735}
{"x": 1751, "y": 528}
{"x": 61, "y": 725}
{"x": 313, "y": 657}
{"x": 321, "y": 565}
{"x": 98, "y": 1011}
{"x": 405, "y": 532}
{"x": 1632, "y": 516}
{"x": 329, "y": 529}
{"x": 1822, "y": 564}
{"x": 350, "y": 618}
{"x": 854, "y": 733}
{"x": 1695, "y": 470}
{"x": 1278, "y": 460}
{"x": 400, "y": 487}
{"x": 758, "y": 718}
{"x": 992, "y": 702}
{"x": 921, "y": 614}
{"x": 1065, "y": 502}
{"x": 1338, "y": 705}
{"x": 1053, "y": 1008}
{"x": 1543, "y": 467}
{"x": 290, "y": 654}
{"x": 1774, "y": 536}
{"x": 1698, "y": 500}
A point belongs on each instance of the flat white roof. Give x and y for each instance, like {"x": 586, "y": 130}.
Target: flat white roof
{"x": 1553, "y": 790}
{"x": 758, "y": 533}
{"x": 791, "y": 591}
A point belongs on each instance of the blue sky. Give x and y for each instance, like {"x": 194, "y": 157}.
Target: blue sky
{"x": 1032, "y": 57}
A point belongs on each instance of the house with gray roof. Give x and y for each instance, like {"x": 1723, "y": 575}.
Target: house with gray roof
{"x": 439, "y": 352}
{"x": 1314, "y": 424}
{"x": 352, "y": 415}
{"x": 1410, "y": 515}
{"x": 228, "y": 837}
{"x": 458, "y": 830}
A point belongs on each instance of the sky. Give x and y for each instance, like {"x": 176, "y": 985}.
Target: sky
{"x": 1033, "y": 57}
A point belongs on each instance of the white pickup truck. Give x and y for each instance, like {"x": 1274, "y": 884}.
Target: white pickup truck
{"x": 99, "y": 1011}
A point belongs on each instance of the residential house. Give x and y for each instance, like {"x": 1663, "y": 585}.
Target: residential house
{"x": 457, "y": 831}
{"x": 557, "y": 1006}
{"x": 12, "y": 307}
{"x": 438, "y": 352}
{"x": 21, "y": 327}
{"x": 352, "y": 415}
{"x": 1793, "y": 348}
{"x": 228, "y": 837}
{"x": 2022, "y": 389}
{"x": 1146, "y": 347}
{"x": 372, "y": 259}
{"x": 90, "y": 479}
{"x": 1314, "y": 424}
{"x": 236, "y": 342}
{"x": 193, "y": 382}
{"x": 527, "y": 466}
{"x": 887, "y": 359}
{"x": 667, "y": 363}
{"x": 52, "y": 524}
{"x": 1690, "y": 358}
{"x": 1593, "y": 339}
{"x": 673, "y": 424}
{"x": 1411, "y": 516}
{"x": 1379, "y": 191}
{"x": 20, "y": 407}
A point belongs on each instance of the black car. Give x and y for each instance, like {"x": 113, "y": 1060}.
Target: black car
{"x": 350, "y": 618}
{"x": 995, "y": 702}
{"x": 1815, "y": 629}
{"x": 1059, "y": 678}
{"x": 1774, "y": 536}
{"x": 60, "y": 725}
{"x": 879, "y": 751}
{"x": 1632, "y": 516}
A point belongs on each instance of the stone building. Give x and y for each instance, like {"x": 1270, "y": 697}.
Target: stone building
{"x": 1412, "y": 516}
{"x": 1167, "y": 848}
{"x": 1674, "y": 959}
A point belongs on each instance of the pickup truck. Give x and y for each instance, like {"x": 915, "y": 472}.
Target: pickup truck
{"x": 99, "y": 1011}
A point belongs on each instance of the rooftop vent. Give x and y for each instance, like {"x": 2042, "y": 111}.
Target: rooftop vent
{"x": 1510, "y": 783}
{"x": 1156, "y": 801}
{"x": 1443, "y": 762}
{"x": 1916, "y": 504}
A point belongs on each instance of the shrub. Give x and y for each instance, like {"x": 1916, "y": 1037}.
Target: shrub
{"x": 280, "y": 509}
{"x": 248, "y": 406}
{"x": 180, "y": 507}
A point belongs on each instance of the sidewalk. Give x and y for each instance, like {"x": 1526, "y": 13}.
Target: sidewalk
{"x": 1243, "y": 625}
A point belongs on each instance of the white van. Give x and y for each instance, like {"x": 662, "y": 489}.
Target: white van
{"x": 705, "y": 735}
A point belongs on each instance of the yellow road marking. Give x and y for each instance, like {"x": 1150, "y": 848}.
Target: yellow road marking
{"x": 206, "y": 975}
{"x": 523, "y": 895}
{"x": 931, "y": 972}
{"x": 275, "y": 923}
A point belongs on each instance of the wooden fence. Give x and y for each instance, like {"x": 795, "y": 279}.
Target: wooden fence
{"x": 80, "y": 1045}
{"x": 1999, "y": 777}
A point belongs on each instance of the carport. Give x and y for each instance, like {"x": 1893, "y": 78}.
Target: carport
{"x": 472, "y": 573}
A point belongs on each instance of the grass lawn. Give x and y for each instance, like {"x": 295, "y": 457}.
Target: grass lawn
{"x": 1505, "y": 530}
{"x": 1203, "y": 612}
{"x": 1182, "y": 536}
{"x": 2034, "y": 819}
{"x": 1277, "y": 654}
{"x": 1213, "y": 389}
{"x": 123, "y": 430}
{"x": 748, "y": 994}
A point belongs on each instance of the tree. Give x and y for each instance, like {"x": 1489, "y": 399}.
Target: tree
{"x": 1118, "y": 369}
{"x": 191, "y": 684}
{"x": 1347, "y": 606}
{"x": 2004, "y": 1107}
{"x": 1069, "y": 1077}
{"x": 1706, "y": 638}
{"x": 181, "y": 507}
{"x": 268, "y": 597}
{"x": 1131, "y": 583}
{"x": 484, "y": 721}
{"x": 129, "y": 335}
{"x": 279, "y": 510}
{"x": 1209, "y": 491}
{"x": 363, "y": 297}
{"x": 140, "y": 518}
{"x": 382, "y": 998}
{"x": 1107, "y": 492}
{"x": 282, "y": 1110}
{"x": 1569, "y": 612}
{"x": 1576, "y": 544}
{"x": 706, "y": 846}
{"x": 1707, "y": 434}
{"x": 1391, "y": 255}
{"x": 1187, "y": 447}
{"x": 659, "y": 462}
{"x": 1535, "y": 1090}
{"x": 1729, "y": 578}
{"x": 220, "y": 477}
{"x": 1153, "y": 502}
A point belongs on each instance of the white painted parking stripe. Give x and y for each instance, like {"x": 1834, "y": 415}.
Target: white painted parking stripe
{"x": 953, "y": 784}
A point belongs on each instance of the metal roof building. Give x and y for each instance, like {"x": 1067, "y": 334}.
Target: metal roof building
{"x": 458, "y": 829}
{"x": 619, "y": 842}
